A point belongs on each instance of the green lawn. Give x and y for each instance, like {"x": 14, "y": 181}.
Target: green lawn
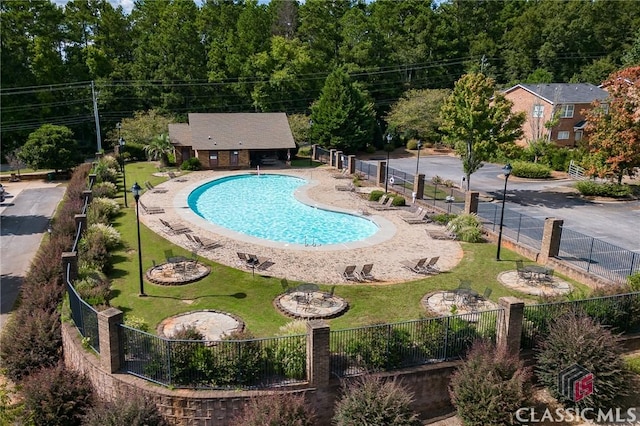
{"x": 250, "y": 297}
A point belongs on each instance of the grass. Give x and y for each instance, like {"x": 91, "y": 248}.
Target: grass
{"x": 250, "y": 297}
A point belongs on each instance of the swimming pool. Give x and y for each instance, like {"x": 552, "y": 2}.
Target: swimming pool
{"x": 265, "y": 207}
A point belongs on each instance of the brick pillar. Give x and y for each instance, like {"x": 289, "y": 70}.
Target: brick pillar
{"x": 471, "y": 202}
{"x": 109, "y": 322}
{"x": 92, "y": 180}
{"x": 313, "y": 152}
{"x": 332, "y": 158}
{"x": 382, "y": 168}
{"x": 339, "y": 160}
{"x": 550, "y": 239}
{"x": 318, "y": 371}
{"x": 351, "y": 164}
{"x": 510, "y": 331}
{"x": 418, "y": 186}
{"x": 70, "y": 258}
{"x": 81, "y": 223}
{"x": 87, "y": 195}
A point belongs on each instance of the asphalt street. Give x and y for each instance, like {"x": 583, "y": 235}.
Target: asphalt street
{"x": 617, "y": 223}
{"x": 25, "y": 214}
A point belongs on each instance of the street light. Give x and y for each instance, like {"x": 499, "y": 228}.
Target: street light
{"x": 418, "y": 162}
{"x": 450, "y": 199}
{"x": 386, "y": 171}
{"x": 136, "y": 190}
{"x": 506, "y": 171}
{"x": 121, "y": 142}
{"x": 310, "y": 145}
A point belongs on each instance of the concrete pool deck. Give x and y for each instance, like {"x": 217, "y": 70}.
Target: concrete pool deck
{"x": 395, "y": 242}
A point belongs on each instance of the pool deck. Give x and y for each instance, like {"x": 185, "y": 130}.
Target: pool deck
{"x": 395, "y": 242}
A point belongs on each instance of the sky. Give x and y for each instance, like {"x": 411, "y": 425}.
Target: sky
{"x": 127, "y": 5}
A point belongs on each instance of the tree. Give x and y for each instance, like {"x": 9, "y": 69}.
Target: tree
{"x": 417, "y": 113}
{"x": 343, "y": 117}
{"x": 477, "y": 120}
{"x": 613, "y": 133}
{"x": 159, "y": 149}
{"x": 51, "y": 147}
{"x": 142, "y": 128}
{"x": 300, "y": 126}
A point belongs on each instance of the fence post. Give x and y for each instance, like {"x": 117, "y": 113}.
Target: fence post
{"x": 550, "y": 239}
{"x": 81, "y": 220}
{"x": 87, "y": 194}
{"x": 109, "y": 322}
{"x": 92, "y": 179}
{"x": 70, "y": 258}
{"x": 313, "y": 152}
{"x": 318, "y": 367}
{"x": 418, "y": 186}
{"x": 510, "y": 331}
{"x": 339, "y": 160}
{"x": 332, "y": 158}
{"x": 351, "y": 164}
{"x": 471, "y": 202}
{"x": 381, "y": 176}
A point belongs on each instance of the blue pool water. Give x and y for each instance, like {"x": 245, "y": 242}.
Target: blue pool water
{"x": 265, "y": 207}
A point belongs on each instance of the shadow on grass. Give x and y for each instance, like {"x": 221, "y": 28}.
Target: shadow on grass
{"x": 238, "y": 295}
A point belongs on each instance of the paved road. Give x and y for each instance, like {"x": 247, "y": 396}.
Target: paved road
{"x": 25, "y": 215}
{"x": 617, "y": 223}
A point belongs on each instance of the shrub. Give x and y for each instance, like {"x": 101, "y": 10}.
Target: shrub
{"x": 136, "y": 322}
{"x": 135, "y": 151}
{"x": 489, "y": 386}
{"x": 279, "y": 409}
{"x": 94, "y": 292}
{"x": 634, "y": 281}
{"x": 467, "y": 227}
{"x": 443, "y": 218}
{"x": 412, "y": 144}
{"x": 191, "y": 164}
{"x": 368, "y": 353}
{"x": 105, "y": 206}
{"x": 591, "y": 188}
{"x": 370, "y": 149}
{"x": 184, "y": 355}
{"x": 31, "y": 340}
{"x": 11, "y": 409}
{"x": 92, "y": 251}
{"x": 130, "y": 410}
{"x": 104, "y": 190}
{"x": 109, "y": 234}
{"x": 369, "y": 400}
{"x": 398, "y": 201}
{"x": 577, "y": 339}
{"x": 55, "y": 396}
{"x": 530, "y": 170}
{"x": 375, "y": 195}
{"x": 110, "y": 162}
{"x": 104, "y": 173}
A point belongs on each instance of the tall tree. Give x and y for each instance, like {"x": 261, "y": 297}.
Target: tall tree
{"x": 613, "y": 132}
{"x": 51, "y": 147}
{"x": 343, "y": 117}
{"x": 417, "y": 114}
{"x": 477, "y": 120}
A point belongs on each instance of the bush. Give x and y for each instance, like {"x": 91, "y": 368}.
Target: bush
{"x": 370, "y": 149}
{"x": 131, "y": 410}
{"x": 369, "y": 400}
{"x": 412, "y": 144}
{"x": 55, "y": 396}
{"x": 290, "y": 355}
{"x": 467, "y": 227}
{"x": 104, "y": 190}
{"x": 634, "y": 281}
{"x": 94, "y": 292}
{"x": 591, "y": 188}
{"x": 577, "y": 339}
{"x": 191, "y": 164}
{"x": 398, "y": 201}
{"x": 110, "y": 235}
{"x": 31, "y": 340}
{"x": 110, "y": 162}
{"x": 93, "y": 252}
{"x": 443, "y": 218}
{"x": 489, "y": 386}
{"x": 136, "y": 322}
{"x": 134, "y": 151}
{"x": 105, "y": 206}
{"x": 530, "y": 170}
{"x": 279, "y": 409}
{"x": 367, "y": 352}
{"x": 375, "y": 195}
{"x": 104, "y": 173}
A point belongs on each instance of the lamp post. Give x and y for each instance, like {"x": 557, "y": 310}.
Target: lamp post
{"x": 418, "y": 161}
{"x": 121, "y": 143}
{"x": 310, "y": 145}
{"x": 450, "y": 199}
{"x": 386, "y": 170}
{"x": 136, "y": 190}
{"x": 506, "y": 171}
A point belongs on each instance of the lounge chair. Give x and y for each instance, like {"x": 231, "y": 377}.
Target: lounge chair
{"x": 153, "y": 189}
{"x": 344, "y": 174}
{"x": 440, "y": 235}
{"x": 350, "y": 187}
{"x": 175, "y": 228}
{"x": 423, "y": 217}
{"x": 430, "y": 267}
{"x": 365, "y": 273}
{"x": 151, "y": 210}
{"x": 380, "y": 201}
{"x": 206, "y": 243}
{"x": 386, "y": 206}
{"x": 416, "y": 266}
{"x": 350, "y": 274}
{"x": 173, "y": 176}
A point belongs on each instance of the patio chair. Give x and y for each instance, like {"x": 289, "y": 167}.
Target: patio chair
{"x": 423, "y": 217}
{"x": 430, "y": 267}
{"x": 350, "y": 274}
{"x": 412, "y": 215}
{"x": 350, "y": 187}
{"x": 152, "y": 188}
{"x": 327, "y": 298}
{"x": 522, "y": 273}
{"x": 416, "y": 266}
{"x": 381, "y": 200}
{"x": 365, "y": 273}
{"x": 344, "y": 174}
{"x": 175, "y": 228}
{"x": 548, "y": 276}
{"x": 388, "y": 205}
{"x": 449, "y": 297}
{"x": 284, "y": 283}
{"x": 206, "y": 243}
{"x": 486, "y": 294}
{"x": 437, "y": 234}
{"x": 264, "y": 264}
{"x": 151, "y": 210}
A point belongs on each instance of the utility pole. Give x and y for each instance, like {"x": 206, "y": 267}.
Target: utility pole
{"x": 96, "y": 116}
{"x": 483, "y": 64}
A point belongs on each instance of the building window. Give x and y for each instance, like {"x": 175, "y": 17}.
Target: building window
{"x": 213, "y": 158}
{"x": 578, "y": 135}
{"x": 605, "y": 107}
{"x": 233, "y": 160}
{"x": 538, "y": 111}
{"x": 567, "y": 111}
{"x": 564, "y": 134}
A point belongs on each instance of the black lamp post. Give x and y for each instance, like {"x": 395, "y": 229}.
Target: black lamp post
{"x": 418, "y": 161}
{"x": 506, "y": 171}
{"x": 121, "y": 142}
{"x": 136, "y": 190}
{"x": 310, "y": 145}
{"x": 386, "y": 170}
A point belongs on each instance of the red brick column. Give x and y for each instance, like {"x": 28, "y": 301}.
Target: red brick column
{"x": 318, "y": 369}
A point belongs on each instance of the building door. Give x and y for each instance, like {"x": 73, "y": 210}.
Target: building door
{"x": 186, "y": 154}
{"x": 213, "y": 159}
{"x": 233, "y": 160}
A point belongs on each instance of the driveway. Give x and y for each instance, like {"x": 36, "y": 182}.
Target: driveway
{"x": 24, "y": 216}
{"x": 617, "y": 223}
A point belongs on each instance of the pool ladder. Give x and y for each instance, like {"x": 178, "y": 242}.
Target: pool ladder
{"x": 313, "y": 244}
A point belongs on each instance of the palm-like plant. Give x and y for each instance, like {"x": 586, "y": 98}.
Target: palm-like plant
{"x": 159, "y": 149}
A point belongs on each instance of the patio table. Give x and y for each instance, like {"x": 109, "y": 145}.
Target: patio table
{"x": 538, "y": 273}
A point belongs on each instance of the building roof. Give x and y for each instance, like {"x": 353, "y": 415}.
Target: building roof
{"x": 564, "y": 93}
{"x": 229, "y": 131}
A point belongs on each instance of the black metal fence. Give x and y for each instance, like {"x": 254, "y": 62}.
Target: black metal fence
{"x": 519, "y": 227}
{"x": 368, "y": 170}
{"x": 84, "y": 316}
{"x": 388, "y": 347}
{"x": 224, "y": 364}
{"x": 620, "y": 312}
{"x": 598, "y": 257}
{"x": 323, "y": 155}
